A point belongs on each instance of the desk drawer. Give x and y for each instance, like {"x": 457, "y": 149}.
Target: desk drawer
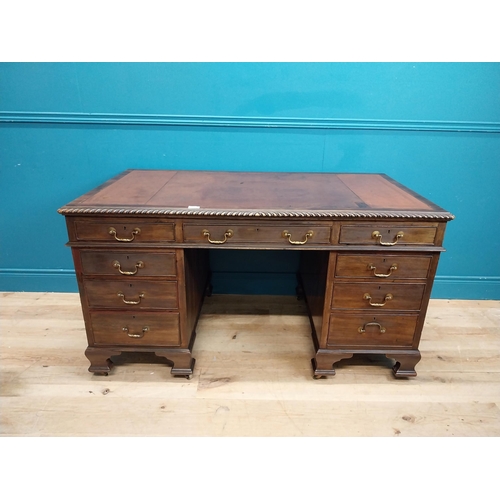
{"x": 141, "y": 329}
{"x": 387, "y": 234}
{"x": 383, "y": 266}
{"x": 128, "y": 263}
{"x": 119, "y": 231}
{"x": 283, "y": 235}
{"x": 139, "y": 294}
{"x": 371, "y": 330}
{"x": 371, "y": 296}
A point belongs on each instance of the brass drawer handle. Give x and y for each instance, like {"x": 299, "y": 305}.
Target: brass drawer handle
{"x": 139, "y": 265}
{"x": 362, "y": 329}
{"x": 371, "y": 267}
{"x": 378, "y": 236}
{"x": 135, "y": 231}
{"x": 131, "y": 302}
{"x": 228, "y": 234}
{"x": 368, "y": 297}
{"x": 286, "y": 234}
{"x": 145, "y": 329}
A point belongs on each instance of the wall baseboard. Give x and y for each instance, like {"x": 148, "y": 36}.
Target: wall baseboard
{"x": 64, "y": 280}
{"x": 466, "y": 287}
{"x": 38, "y": 280}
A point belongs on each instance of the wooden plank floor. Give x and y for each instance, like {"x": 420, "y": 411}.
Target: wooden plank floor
{"x": 252, "y": 377}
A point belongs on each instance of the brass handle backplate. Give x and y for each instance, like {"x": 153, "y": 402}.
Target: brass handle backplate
{"x": 287, "y": 234}
{"x": 362, "y": 329}
{"x": 131, "y": 302}
{"x": 228, "y": 234}
{"x": 378, "y": 236}
{"x": 138, "y": 265}
{"x": 135, "y": 231}
{"x": 145, "y": 329}
{"x": 371, "y": 267}
{"x": 368, "y": 297}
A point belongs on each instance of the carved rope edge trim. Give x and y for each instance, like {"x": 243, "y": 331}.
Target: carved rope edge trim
{"x": 255, "y": 213}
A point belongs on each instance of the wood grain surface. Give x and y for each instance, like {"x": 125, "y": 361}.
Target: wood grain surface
{"x": 252, "y": 376}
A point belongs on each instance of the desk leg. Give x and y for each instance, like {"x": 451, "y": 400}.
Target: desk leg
{"x": 323, "y": 362}
{"x": 182, "y": 361}
{"x": 100, "y": 362}
{"x": 405, "y": 363}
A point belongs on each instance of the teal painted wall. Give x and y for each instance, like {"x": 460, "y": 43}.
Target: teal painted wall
{"x": 66, "y": 127}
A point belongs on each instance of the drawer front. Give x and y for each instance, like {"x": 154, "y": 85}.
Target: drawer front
{"x": 375, "y": 266}
{"x": 283, "y": 235}
{"x": 141, "y": 329}
{"x": 386, "y": 235}
{"x": 139, "y": 294}
{"x": 124, "y": 231}
{"x": 372, "y": 296}
{"x": 371, "y": 330}
{"x": 128, "y": 263}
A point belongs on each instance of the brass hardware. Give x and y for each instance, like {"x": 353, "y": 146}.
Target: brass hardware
{"x": 371, "y": 267}
{"x": 378, "y": 236}
{"x": 132, "y": 302}
{"x": 362, "y": 329}
{"x": 135, "y": 231}
{"x": 139, "y": 265}
{"x": 368, "y": 297}
{"x": 136, "y": 335}
{"x": 228, "y": 234}
{"x": 286, "y": 234}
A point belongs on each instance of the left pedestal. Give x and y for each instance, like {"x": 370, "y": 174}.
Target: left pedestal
{"x": 137, "y": 296}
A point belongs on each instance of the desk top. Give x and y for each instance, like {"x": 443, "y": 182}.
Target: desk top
{"x": 262, "y": 194}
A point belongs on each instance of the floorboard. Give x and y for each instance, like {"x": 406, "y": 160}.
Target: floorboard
{"x": 252, "y": 377}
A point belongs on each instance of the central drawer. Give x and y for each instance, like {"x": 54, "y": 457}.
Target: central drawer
{"x": 116, "y": 263}
{"x": 139, "y": 294}
{"x": 373, "y": 296}
{"x": 141, "y": 329}
{"x": 283, "y": 235}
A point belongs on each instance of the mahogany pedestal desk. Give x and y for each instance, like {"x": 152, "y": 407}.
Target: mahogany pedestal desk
{"x": 369, "y": 250}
